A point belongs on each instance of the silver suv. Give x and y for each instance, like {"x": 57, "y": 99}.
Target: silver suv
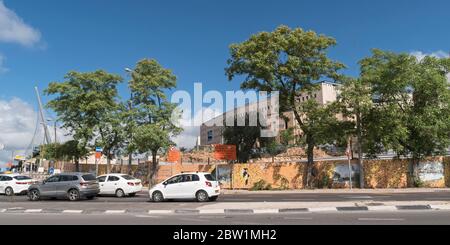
{"x": 72, "y": 186}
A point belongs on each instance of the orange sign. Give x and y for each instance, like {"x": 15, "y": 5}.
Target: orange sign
{"x": 98, "y": 155}
{"x": 225, "y": 152}
{"x": 174, "y": 155}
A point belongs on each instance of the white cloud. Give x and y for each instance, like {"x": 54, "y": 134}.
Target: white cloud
{"x": 17, "y": 127}
{"x": 438, "y": 54}
{"x": 14, "y": 30}
{"x": 3, "y": 69}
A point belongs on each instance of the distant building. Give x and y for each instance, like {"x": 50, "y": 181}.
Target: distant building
{"x": 213, "y": 134}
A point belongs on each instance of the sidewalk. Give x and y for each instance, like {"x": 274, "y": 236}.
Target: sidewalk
{"x": 339, "y": 191}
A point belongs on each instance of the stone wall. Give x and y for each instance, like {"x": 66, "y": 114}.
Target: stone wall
{"x": 328, "y": 174}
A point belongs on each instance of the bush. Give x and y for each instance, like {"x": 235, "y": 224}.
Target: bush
{"x": 261, "y": 186}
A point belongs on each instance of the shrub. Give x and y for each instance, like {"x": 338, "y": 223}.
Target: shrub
{"x": 261, "y": 186}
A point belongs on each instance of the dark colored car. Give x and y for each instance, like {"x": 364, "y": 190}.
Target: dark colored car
{"x": 72, "y": 186}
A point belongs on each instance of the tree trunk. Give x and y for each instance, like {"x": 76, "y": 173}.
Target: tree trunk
{"x": 77, "y": 164}
{"x": 152, "y": 169}
{"x": 108, "y": 164}
{"x": 360, "y": 153}
{"x": 130, "y": 159}
{"x": 310, "y": 164}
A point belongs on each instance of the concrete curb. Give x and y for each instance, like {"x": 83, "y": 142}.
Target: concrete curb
{"x": 341, "y": 209}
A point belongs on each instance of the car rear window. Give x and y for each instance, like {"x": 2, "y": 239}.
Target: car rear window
{"x": 209, "y": 177}
{"x": 127, "y": 177}
{"x": 88, "y": 177}
{"x": 22, "y": 178}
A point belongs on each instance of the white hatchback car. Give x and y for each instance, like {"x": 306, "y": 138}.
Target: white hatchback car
{"x": 11, "y": 184}
{"x": 200, "y": 186}
{"x": 119, "y": 184}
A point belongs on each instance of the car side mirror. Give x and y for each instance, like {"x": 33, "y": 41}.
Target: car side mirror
{"x": 165, "y": 183}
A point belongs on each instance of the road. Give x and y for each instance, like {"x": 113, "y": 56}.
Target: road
{"x": 437, "y": 195}
{"x": 139, "y": 210}
{"x": 353, "y": 218}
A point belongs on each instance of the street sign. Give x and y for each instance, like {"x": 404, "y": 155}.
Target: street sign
{"x": 98, "y": 149}
{"x": 225, "y": 152}
{"x": 98, "y": 155}
{"x": 173, "y": 155}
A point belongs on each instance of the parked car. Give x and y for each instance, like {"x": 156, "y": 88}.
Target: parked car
{"x": 72, "y": 186}
{"x": 200, "y": 186}
{"x": 119, "y": 184}
{"x": 11, "y": 184}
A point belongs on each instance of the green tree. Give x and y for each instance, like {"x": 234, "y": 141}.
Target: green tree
{"x": 287, "y": 60}
{"x": 321, "y": 126}
{"x": 356, "y": 101}
{"x": 82, "y": 102}
{"x": 154, "y": 112}
{"x": 412, "y": 110}
{"x": 243, "y": 137}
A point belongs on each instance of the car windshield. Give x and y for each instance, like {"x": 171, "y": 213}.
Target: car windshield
{"x": 209, "y": 177}
{"x": 127, "y": 177}
{"x": 88, "y": 177}
{"x": 22, "y": 178}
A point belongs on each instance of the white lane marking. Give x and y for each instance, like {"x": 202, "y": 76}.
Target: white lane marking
{"x": 33, "y": 210}
{"x": 379, "y": 219}
{"x": 382, "y": 208}
{"x": 72, "y": 211}
{"x": 160, "y": 211}
{"x": 265, "y": 211}
{"x": 212, "y": 211}
{"x": 146, "y": 216}
{"x": 2, "y": 210}
{"x": 441, "y": 207}
{"x": 323, "y": 209}
{"x": 114, "y": 211}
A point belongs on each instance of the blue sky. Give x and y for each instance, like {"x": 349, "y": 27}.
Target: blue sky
{"x": 192, "y": 37}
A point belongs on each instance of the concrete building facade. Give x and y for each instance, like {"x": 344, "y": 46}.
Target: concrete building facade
{"x": 211, "y": 132}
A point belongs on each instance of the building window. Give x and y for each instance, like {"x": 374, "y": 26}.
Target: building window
{"x": 210, "y": 135}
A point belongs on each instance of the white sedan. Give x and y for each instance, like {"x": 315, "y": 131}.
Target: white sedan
{"x": 119, "y": 184}
{"x": 11, "y": 184}
{"x": 200, "y": 186}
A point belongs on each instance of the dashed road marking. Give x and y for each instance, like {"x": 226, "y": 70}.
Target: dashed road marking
{"x": 382, "y": 208}
{"x": 33, "y": 210}
{"x": 160, "y": 212}
{"x": 265, "y": 211}
{"x": 115, "y": 211}
{"x": 212, "y": 211}
{"x": 73, "y": 211}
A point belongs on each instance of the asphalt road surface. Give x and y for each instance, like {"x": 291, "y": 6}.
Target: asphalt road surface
{"x": 437, "y": 195}
{"x": 353, "y": 218}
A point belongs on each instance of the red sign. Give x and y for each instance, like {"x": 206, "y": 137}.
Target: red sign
{"x": 173, "y": 155}
{"x": 98, "y": 155}
{"x": 225, "y": 152}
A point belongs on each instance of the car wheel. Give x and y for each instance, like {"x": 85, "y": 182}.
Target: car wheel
{"x": 157, "y": 196}
{"x": 73, "y": 195}
{"x": 34, "y": 195}
{"x": 120, "y": 193}
{"x": 202, "y": 196}
{"x": 132, "y": 194}
{"x": 9, "y": 191}
{"x": 213, "y": 199}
